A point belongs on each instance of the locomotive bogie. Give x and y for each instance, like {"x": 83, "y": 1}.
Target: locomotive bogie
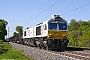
{"x": 57, "y": 44}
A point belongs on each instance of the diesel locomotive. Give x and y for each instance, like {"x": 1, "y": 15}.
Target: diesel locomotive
{"x": 51, "y": 34}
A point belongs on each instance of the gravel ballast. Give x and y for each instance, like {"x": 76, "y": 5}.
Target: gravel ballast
{"x": 39, "y": 54}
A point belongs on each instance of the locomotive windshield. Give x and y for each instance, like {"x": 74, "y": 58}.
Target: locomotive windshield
{"x": 57, "y": 26}
{"x": 53, "y": 26}
{"x": 62, "y": 26}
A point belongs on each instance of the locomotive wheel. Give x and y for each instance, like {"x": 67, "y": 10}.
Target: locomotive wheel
{"x": 38, "y": 46}
{"x": 41, "y": 46}
{"x": 47, "y": 48}
{"x": 47, "y": 45}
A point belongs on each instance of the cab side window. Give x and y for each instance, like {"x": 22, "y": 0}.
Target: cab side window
{"x": 45, "y": 27}
{"x": 25, "y": 33}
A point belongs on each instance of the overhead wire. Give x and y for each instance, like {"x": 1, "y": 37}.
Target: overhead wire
{"x": 76, "y": 8}
{"x": 35, "y": 12}
{"x": 12, "y": 29}
{"x": 38, "y": 11}
{"x": 45, "y": 10}
{"x": 41, "y": 7}
{"x": 69, "y": 4}
{"x": 59, "y": 6}
{"x": 79, "y": 12}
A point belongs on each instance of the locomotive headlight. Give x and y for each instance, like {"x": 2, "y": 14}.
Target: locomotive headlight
{"x": 50, "y": 35}
{"x": 65, "y": 36}
{"x": 57, "y": 34}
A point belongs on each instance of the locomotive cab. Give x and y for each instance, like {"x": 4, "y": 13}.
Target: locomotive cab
{"x": 57, "y": 28}
{"x": 57, "y": 33}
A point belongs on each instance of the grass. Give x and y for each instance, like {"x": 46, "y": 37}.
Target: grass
{"x": 80, "y": 47}
{"x": 10, "y": 53}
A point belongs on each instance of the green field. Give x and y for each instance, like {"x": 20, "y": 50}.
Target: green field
{"x": 9, "y": 53}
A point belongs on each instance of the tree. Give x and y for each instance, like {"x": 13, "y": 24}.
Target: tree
{"x": 88, "y": 23}
{"x": 73, "y": 32}
{"x": 3, "y": 30}
{"x": 79, "y": 33}
{"x": 19, "y": 29}
{"x": 14, "y": 33}
{"x": 73, "y": 25}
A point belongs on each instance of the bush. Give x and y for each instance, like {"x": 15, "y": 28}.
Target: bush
{"x": 7, "y": 52}
{"x": 1, "y": 41}
{"x": 2, "y": 49}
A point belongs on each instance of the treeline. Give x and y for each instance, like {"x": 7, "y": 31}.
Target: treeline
{"x": 79, "y": 33}
{"x": 3, "y": 30}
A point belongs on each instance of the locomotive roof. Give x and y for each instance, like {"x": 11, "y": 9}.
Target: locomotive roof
{"x": 57, "y": 19}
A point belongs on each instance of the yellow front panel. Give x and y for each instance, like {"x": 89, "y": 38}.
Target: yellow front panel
{"x": 56, "y": 34}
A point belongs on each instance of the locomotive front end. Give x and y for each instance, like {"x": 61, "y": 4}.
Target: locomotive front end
{"x": 57, "y": 33}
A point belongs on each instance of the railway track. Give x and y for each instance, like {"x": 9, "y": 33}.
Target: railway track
{"x": 76, "y": 53}
{"x": 68, "y": 54}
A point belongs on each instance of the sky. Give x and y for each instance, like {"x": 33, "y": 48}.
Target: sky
{"x": 28, "y": 13}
